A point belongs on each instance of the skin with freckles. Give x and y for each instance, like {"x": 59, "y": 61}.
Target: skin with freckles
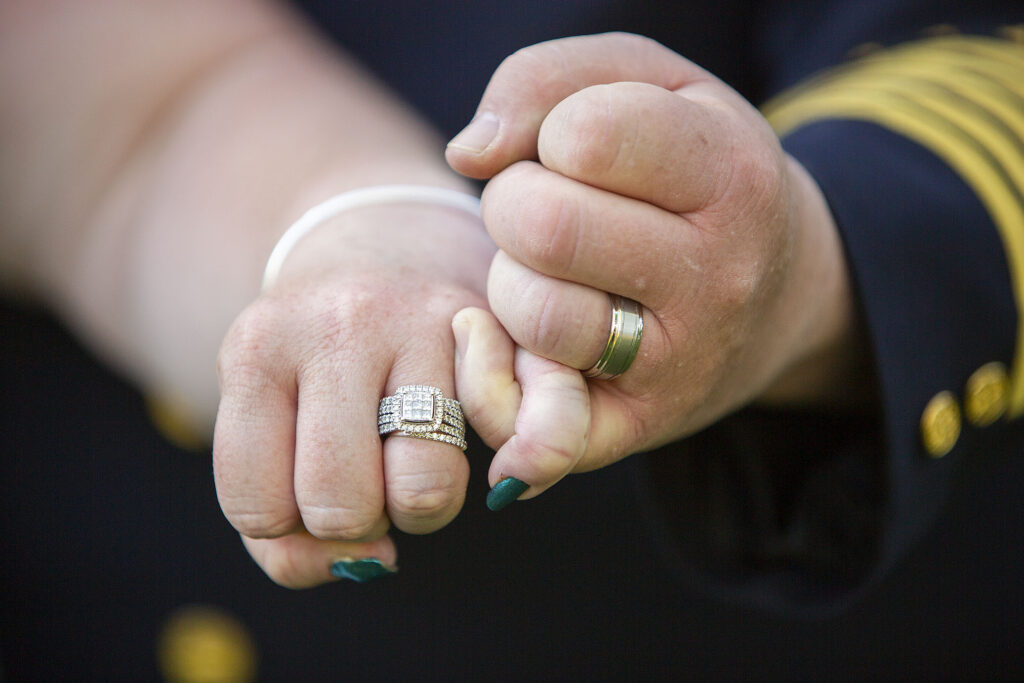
{"x": 618, "y": 166}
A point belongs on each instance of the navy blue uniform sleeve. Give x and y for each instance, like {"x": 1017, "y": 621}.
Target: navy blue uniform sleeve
{"x": 919, "y": 149}
{"x": 809, "y": 508}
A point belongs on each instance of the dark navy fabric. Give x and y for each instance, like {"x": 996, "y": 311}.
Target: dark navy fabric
{"x": 934, "y": 284}
{"x": 808, "y": 512}
{"x": 800, "y": 37}
{"x": 439, "y": 56}
{"x": 618, "y": 574}
{"x": 108, "y": 529}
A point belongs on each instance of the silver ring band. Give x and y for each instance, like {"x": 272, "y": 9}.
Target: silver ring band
{"x": 422, "y": 412}
{"x": 627, "y": 327}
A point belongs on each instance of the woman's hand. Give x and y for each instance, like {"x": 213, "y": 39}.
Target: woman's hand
{"x": 657, "y": 182}
{"x": 183, "y": 151}
{"x": 362, "y": 306}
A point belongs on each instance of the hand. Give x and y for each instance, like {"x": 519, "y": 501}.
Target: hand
{"x": 362, "y": 306}
{"x": 657, "y": 182}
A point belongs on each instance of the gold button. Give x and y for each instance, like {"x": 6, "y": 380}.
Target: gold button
{"x": 1014, "y": 33}
{"x": 201, "y": 644}
{"x": 940, "y": 424}
{"x": 987, "y": 394}
{"x": 175, "y": 420}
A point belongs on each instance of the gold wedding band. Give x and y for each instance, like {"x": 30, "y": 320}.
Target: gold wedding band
{"x": 623, "y": 339}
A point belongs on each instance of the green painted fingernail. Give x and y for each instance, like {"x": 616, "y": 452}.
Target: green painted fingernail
{"x": 505, "y": 492}
{"x": 361, "y": 571}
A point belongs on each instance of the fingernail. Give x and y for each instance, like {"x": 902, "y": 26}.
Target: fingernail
{"x": 361, "y": 571}
{"x": 505, "y": 492}
{"x": 478, "y": 134}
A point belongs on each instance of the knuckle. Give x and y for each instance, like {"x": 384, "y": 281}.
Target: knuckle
{"x": 755, "y": 169}
{"x": 338, "y": 523}
{"x": 546, "y": 325}
{"x": 247, "y": 347}
{"x": 423, "y": 495}
{"x": 259, "y": 347}
{"x": 344, "y": 317}
{"x": 550, "y": 234}
{"x": 551, "y": 459}
{"x": 739, "y": 289}
{"x": 757, "y": 173}
{"x": 261, "y": 523}
{"x": 590, "y": 134}
{"x": 542, "y": 69}
{"x": 339, "y": 317}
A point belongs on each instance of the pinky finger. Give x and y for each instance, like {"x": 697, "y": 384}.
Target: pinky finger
{"x": 485, "y": 375}
{"x": 551, "y": 431}
{"x": 534, "y": 411}
{"x": 301, "y": 560}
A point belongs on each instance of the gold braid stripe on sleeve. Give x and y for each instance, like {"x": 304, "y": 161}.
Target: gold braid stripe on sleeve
{"x": 962, "y": 97}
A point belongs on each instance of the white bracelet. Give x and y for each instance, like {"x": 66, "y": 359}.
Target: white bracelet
{"x": 354, "y": 199}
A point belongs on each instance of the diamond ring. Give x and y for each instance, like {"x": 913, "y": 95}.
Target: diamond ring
{"x": 422, "y": 412}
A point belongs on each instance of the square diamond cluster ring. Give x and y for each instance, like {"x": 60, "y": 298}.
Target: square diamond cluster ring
{"x": 422, "y": 412}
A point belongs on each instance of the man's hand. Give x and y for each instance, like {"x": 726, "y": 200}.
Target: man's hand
{"x": 619, "y": 167}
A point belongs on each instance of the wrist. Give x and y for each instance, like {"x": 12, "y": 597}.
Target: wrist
{"x": 361, "y": 198}
{"x": 425, "y": 242}
{"x": 823, "y": 352}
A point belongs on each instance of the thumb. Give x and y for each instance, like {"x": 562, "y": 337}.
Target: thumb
{"x": 529, "y": 83}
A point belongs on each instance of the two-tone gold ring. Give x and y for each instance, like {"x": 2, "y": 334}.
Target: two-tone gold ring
{"x": 623, "y": 343}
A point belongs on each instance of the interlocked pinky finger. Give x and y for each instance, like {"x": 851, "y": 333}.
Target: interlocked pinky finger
{"x": 300, "y": 560}
{"x": 535, "y": 411}
{"x": 551, "y": 429}
{"x": 485, "y": 376}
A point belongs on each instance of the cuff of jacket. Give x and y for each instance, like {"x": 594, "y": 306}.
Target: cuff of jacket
{"x": 919, "y": 153}
{"x": 934, "y": 285}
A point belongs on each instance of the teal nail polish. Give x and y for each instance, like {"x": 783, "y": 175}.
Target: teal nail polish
{"x": 505, "y": 492}
{"x": 362, "y": 571}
